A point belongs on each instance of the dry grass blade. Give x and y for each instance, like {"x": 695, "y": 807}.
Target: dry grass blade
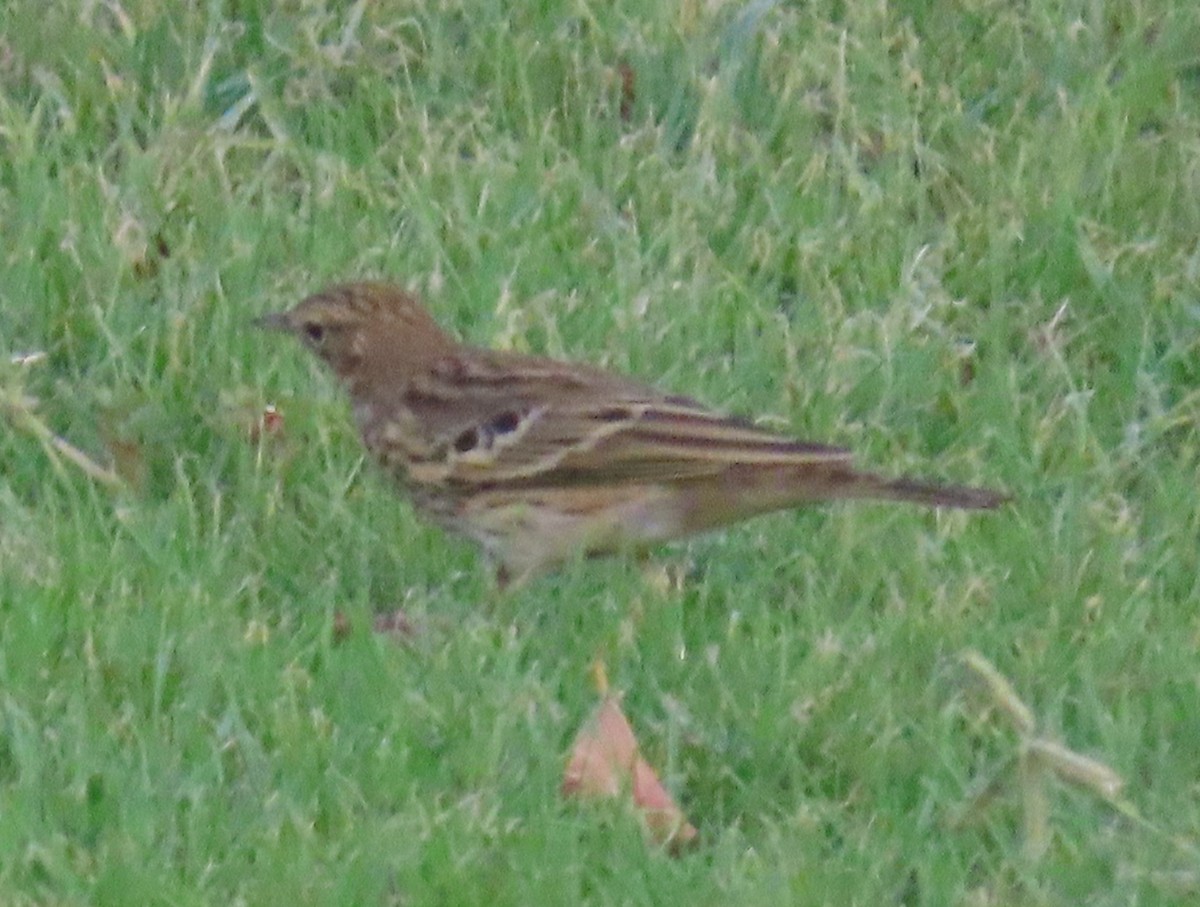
{"x": 1076, "y": 768}
{"x": 1035, "y": 808}
{"x": 20, "y": 411}
{"x": 1038, "y": 760}
{"x": 1001, "y": 692}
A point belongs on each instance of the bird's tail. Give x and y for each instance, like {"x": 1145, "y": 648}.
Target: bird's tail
{"x": 748, "y": 491}
{"x": 834, "y": 481}
{"x": 931, "y": 494}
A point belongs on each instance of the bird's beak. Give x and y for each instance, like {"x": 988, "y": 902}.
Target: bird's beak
{"x": 273, "y": 321}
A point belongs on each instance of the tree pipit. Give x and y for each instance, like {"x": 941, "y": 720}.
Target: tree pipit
{"x": 538, "y": 460}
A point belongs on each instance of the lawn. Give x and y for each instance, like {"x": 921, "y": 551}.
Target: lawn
{"x": 961, "y": 238}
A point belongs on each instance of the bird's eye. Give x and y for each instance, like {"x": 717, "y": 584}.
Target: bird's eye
{"x": 314, "y": 332}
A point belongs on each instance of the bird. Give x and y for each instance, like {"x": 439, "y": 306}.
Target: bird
{"x": 539, "y": 460}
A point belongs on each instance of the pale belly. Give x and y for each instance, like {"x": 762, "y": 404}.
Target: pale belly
{"x": 533, "y": 531}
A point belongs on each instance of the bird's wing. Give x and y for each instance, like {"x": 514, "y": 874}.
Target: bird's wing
{"x": 552, "y": 425}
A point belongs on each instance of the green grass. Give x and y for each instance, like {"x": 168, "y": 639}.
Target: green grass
{"x": 961, "y": 237}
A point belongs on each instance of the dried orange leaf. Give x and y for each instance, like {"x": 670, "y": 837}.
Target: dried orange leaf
{"x": 666, "y": 821}
{"x": 605, "y": 762}
{"x": 603, "y": 755}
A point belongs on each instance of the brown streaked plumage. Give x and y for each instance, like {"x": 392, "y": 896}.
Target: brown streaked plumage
{"x": 537, "y": 459}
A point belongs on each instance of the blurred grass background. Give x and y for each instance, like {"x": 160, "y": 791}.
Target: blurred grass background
{"x": 960, "y": 237}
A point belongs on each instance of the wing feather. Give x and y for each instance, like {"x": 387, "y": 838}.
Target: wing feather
{"x": 630, "y": 440}
{"x": 499, "y": 419}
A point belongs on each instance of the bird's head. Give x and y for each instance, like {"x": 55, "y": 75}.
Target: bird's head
{"x": 365, "y": 331}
